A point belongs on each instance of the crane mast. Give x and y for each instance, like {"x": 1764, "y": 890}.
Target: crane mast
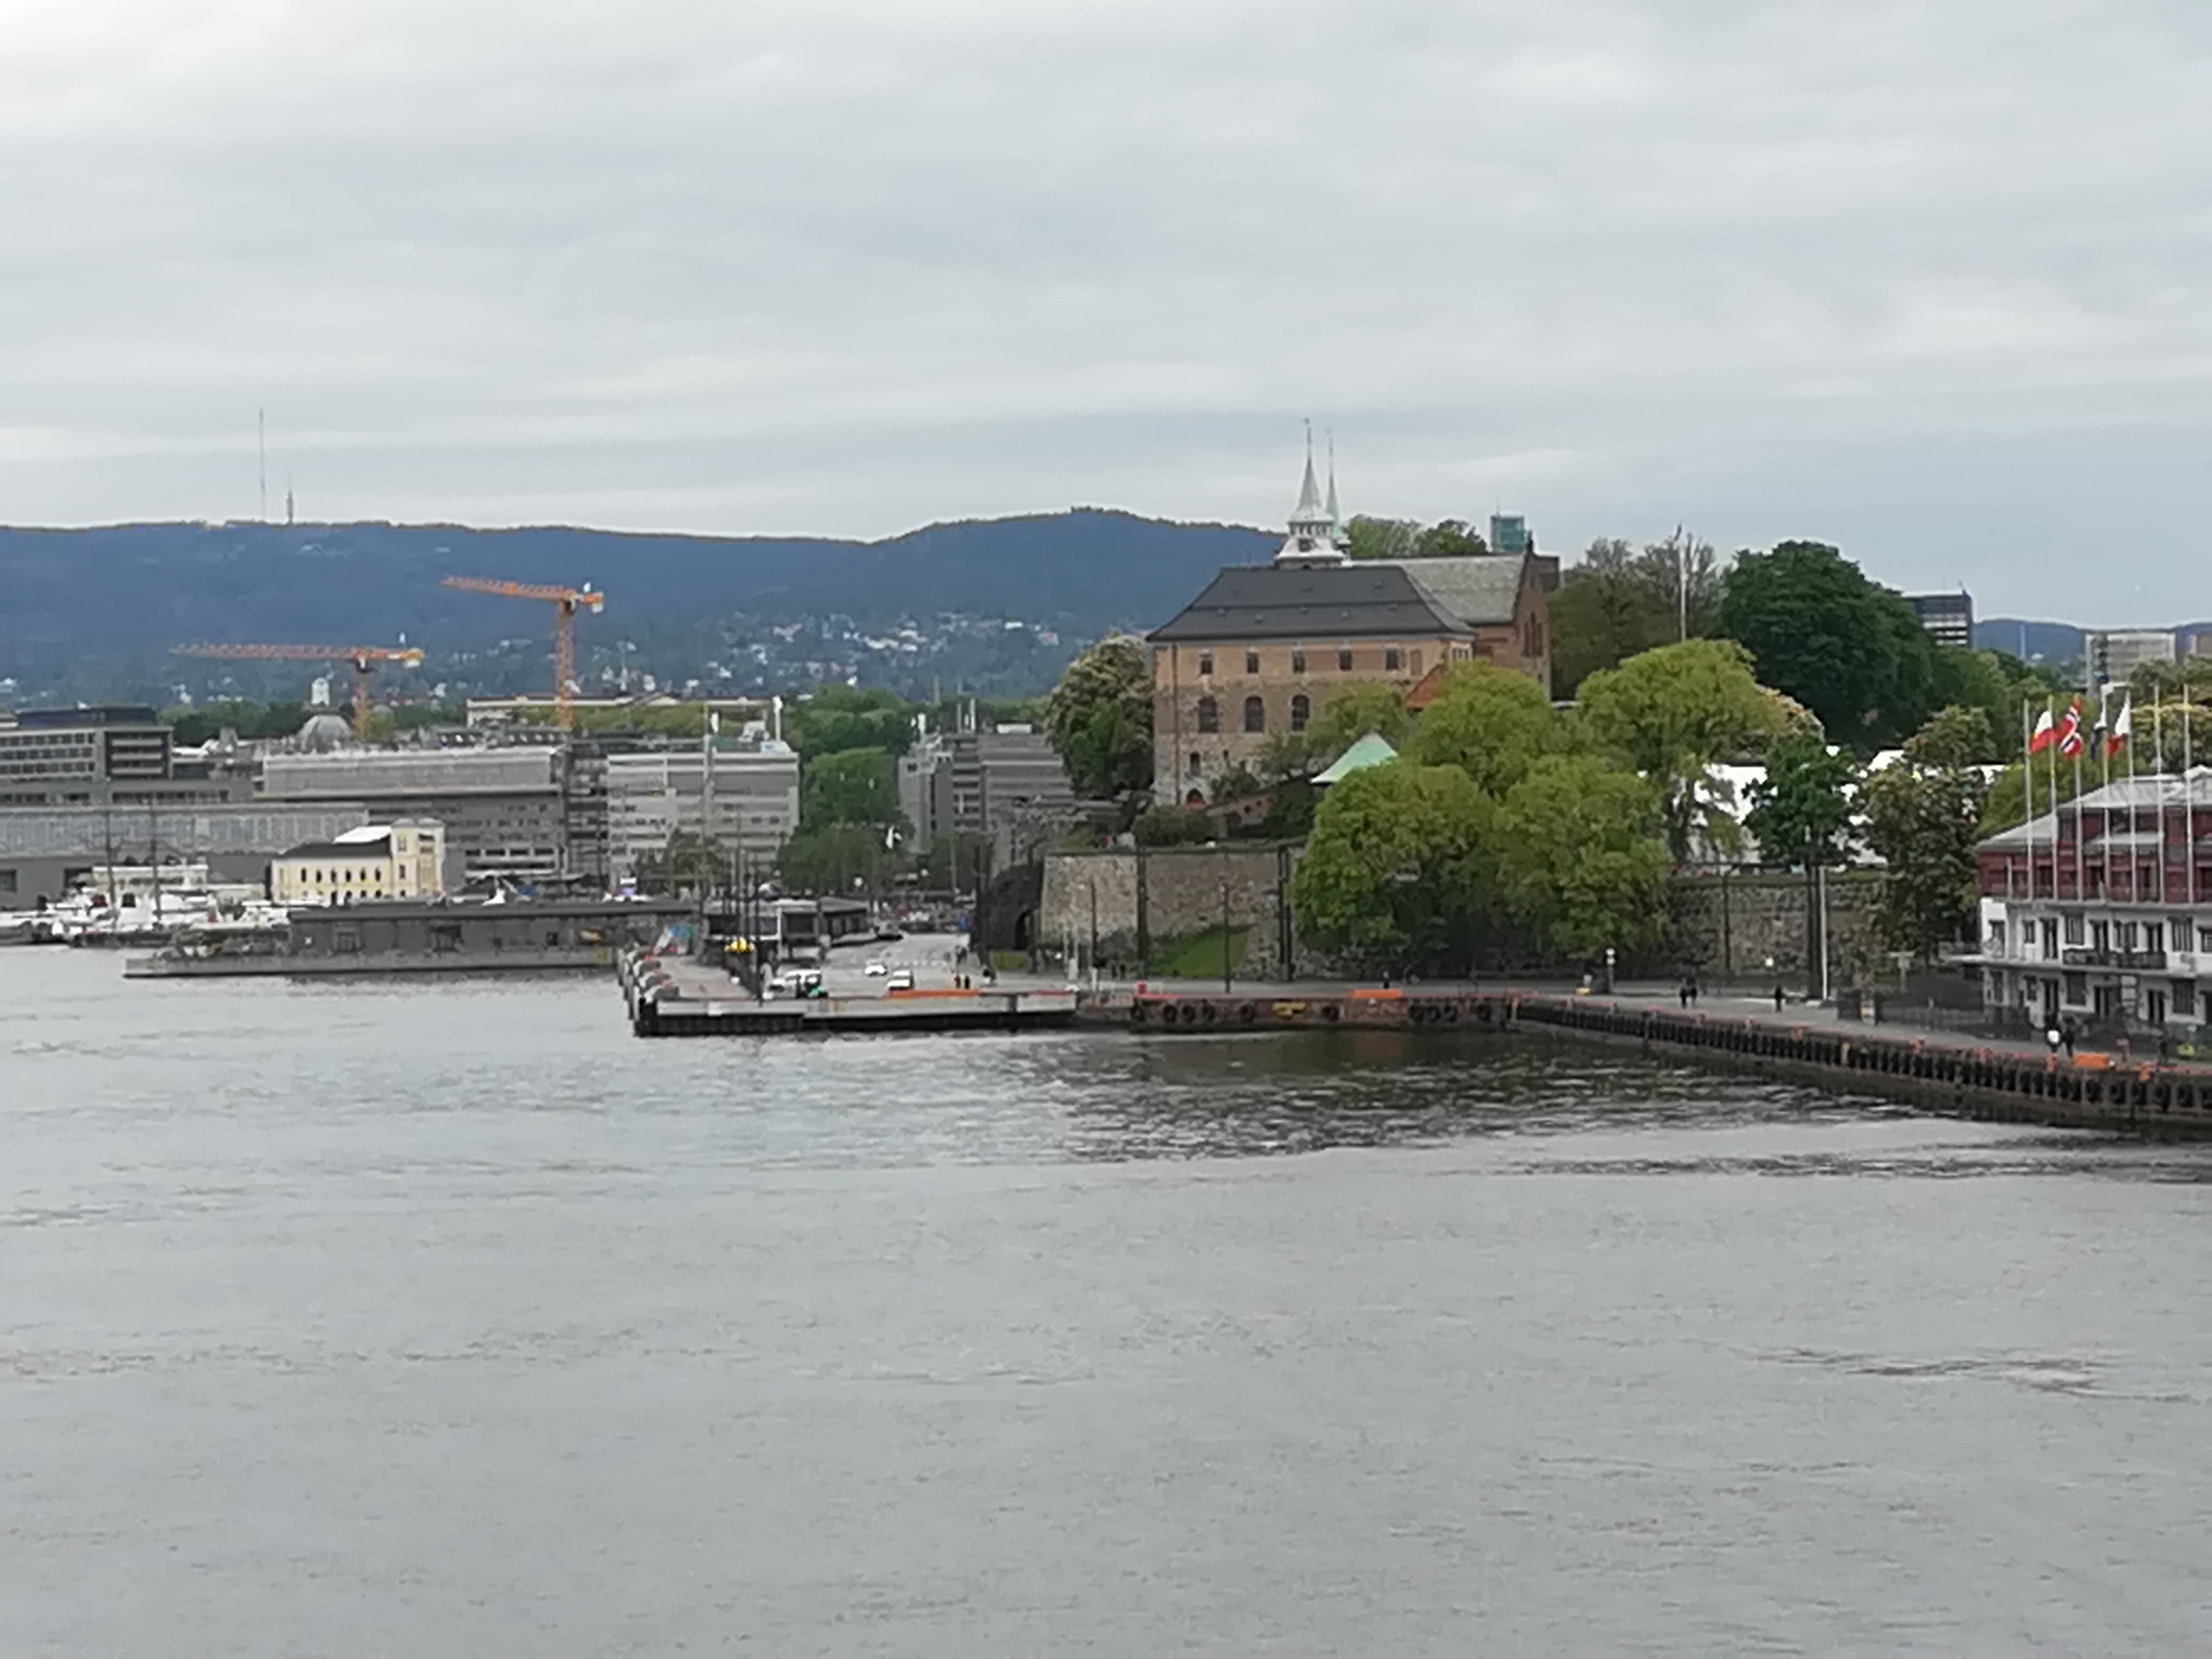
{"x": 566, "y": 603}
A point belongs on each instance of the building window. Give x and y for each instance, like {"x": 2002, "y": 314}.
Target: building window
{"x": 1206, "y": 662}
{"x": 2100, "y": 935}
{"x": 2204, "y": 940}
{"x": 2074, "y": 928}
{"x": 1209, "y": 714}
{"x": 1251, "y": 662}
{"x": 2130, "y": 936}
{"x": 1301, "y": 712}
{"x": 1344, "y": 660}
{"x": 1298, "y": 659}
{"x": 2184, "y": 998}
{"x": 1997, "y": 939}
{"x": 1255, "y": 715}
{"x": 2155, "y": 936}
{"x": 1393, "y": 659}
{"x": 1417, "y": 659}
{"x": 2077, "y": 989}
{"x": 1196, "y": 764}
{"x": 2050, "y": 937}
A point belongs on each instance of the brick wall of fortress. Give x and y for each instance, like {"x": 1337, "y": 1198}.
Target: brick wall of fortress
{"x": 1725, "y": 927}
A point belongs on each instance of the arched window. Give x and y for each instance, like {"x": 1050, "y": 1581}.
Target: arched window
{"x": 1209, "y": 714}
{"x": 1193, "y": 798}
{"x": 1255, "y": 715}
{"x": 1301, "y": 712}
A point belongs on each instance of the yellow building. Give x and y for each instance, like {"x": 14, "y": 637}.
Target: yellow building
{"x": 402, "y": 859}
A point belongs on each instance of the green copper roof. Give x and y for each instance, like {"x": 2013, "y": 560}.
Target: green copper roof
{"x": 1370, "y": 751}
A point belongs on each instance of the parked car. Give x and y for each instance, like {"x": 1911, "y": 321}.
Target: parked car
{"x": 876, "y": 970}
{"x": 900, "y": 980}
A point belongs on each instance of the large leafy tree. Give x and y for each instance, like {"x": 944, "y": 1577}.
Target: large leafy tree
{"x": 1671, "y": 715}
{"x": 1850, "y": 650}
{"x": 1580, "y": 855}
{"x": 1924, "y": 817}
{"x": 836, "y": 858}
{"x": 852, "y": 786}
{"x": 1348, "y": 716}
{"x": 837, "y": 718}
{"x": 1618, "y": 602}
{"x": 1802, "y": 811}
{"x": 1490, "y": 722}
{"x": 1099, "y": 717}
{"x": 1394, "y": 867}
{"x": 1408, "y": 538}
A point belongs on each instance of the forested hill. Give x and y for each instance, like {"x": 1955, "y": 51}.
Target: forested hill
{"x": 92, "y": 613}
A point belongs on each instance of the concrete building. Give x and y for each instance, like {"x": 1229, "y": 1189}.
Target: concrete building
{"x": 745, "y": 795}
{"x": 1007, "y": 784}
{"x": 1946, "y": 618}
{"x": 401, "y": 861}
{"x": 113, "y": 755}
{"x": 2110, "y": 655}
{"x": 2101, "y": 912}
{"x": 46, "y": 851}
{"x": 504, "y": 809}
{"x": 1255, "y": 656}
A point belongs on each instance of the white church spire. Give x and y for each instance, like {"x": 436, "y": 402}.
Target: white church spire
{"x": 1314, "y": 538}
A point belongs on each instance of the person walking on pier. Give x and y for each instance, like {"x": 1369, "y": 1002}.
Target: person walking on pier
{"x": 1778, "y": 997}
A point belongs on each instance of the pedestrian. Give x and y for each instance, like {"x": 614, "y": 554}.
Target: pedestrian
{"x": 1777, "y": 999}
{"x": 2053, "y": 1037}
{"x": 1682, "y": 991}
{"x": 2066, "y": 1035}
{"x": 1693, "y": 990}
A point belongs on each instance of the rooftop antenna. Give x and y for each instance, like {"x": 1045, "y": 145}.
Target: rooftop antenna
{"x": 261, "y": 448}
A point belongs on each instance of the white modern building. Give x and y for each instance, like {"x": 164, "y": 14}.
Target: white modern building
{"x": 746, "y": 795}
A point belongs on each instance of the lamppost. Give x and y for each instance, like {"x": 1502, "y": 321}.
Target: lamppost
{"x": 1227, "y": 985}
{"x": 1609, "y": 957}
{"x": 1092, "y": 882}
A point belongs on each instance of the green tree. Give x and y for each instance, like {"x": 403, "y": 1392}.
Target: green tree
{"x": 1802, "y": 811}
{"x": 1394, "y": 869}
{"x": 1618, "y": 602}
{"x": 1100, "y": 720}
{"x": 1580, "y": 858}
{"x": 1380, "y": 538}
{"x": 1924, "y": 817}
{"x": 1490, "y": 722}
{"x": 1850, "y": 651}
{"x": 850, "y": 786}
{"x": 837, "y": 718}
{"x": 1671, "y": 715}
{"x": 836, "y": 858}
{"x": 1447, "y": 538}
{"x": 1802, "y": 814}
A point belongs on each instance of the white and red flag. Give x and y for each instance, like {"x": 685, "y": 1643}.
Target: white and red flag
{"x": 2045, "y": 734}
{"x": 2122, "y": 728}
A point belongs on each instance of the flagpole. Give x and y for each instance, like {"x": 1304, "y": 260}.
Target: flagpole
{"x": 2188, "y": 801}
{"x": 2028, "y": 789}
{"x": 2104, "y": 791}
{"x": 2158, "y": 779}
{"x": 2081, "y": 880}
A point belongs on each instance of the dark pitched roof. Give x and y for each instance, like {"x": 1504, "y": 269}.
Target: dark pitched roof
{"x": 1325, "y": 602}
{"x": 341, "y": 849}
{"x": 1482, "y": 590}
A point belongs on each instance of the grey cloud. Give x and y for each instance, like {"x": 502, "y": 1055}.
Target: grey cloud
{"x": 1926, "y": 280}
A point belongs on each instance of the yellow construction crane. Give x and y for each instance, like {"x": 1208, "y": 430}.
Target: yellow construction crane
{"x": 364, "y": 659}
{"x": 566, "y": 603}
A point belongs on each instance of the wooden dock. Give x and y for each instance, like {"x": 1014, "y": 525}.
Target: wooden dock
{"x": 673, "y": 997}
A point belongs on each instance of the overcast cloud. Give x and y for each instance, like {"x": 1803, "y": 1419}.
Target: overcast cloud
{"x": 1925, "y": 279}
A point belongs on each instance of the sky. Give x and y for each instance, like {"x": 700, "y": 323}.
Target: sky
{"x": 1927, "y": 280}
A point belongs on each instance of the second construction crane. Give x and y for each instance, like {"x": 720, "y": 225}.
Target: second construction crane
{"x": 566, "y": 603}
{"x": 364, "y": 659}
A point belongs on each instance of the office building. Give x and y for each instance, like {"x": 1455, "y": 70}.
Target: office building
{"x": 1946, "y": 618}
{"x": 746, "y": 795}
{"x": 504, "y": 809}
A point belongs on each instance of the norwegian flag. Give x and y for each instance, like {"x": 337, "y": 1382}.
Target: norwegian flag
{"x": 2069, "y": 731}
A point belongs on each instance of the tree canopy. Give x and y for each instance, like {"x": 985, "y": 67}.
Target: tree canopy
{"x": 1802, "y": 810}
{"x": 837, "y": 718}
{"x": 852, "y": 786}
{"x": 1406, "y": 538}
{"x": 1850, "y": 650}
{"x": 1618, "y": 602}
{"x": 1670, "y": 715}
{"x": 1099, "y": 718}
{"x": 1580, "y": 856}
{"x": 1924, "y": 817}
{"x": 1491, "y": 722}
{"x": 1395, "y": 861}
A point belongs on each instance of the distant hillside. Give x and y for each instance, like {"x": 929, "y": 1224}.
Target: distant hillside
{"x": 2053, "y": 643}
{"x": 93, "y": 613}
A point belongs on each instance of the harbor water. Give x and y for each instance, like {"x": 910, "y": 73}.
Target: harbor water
{"x": 447, "y": 1318}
